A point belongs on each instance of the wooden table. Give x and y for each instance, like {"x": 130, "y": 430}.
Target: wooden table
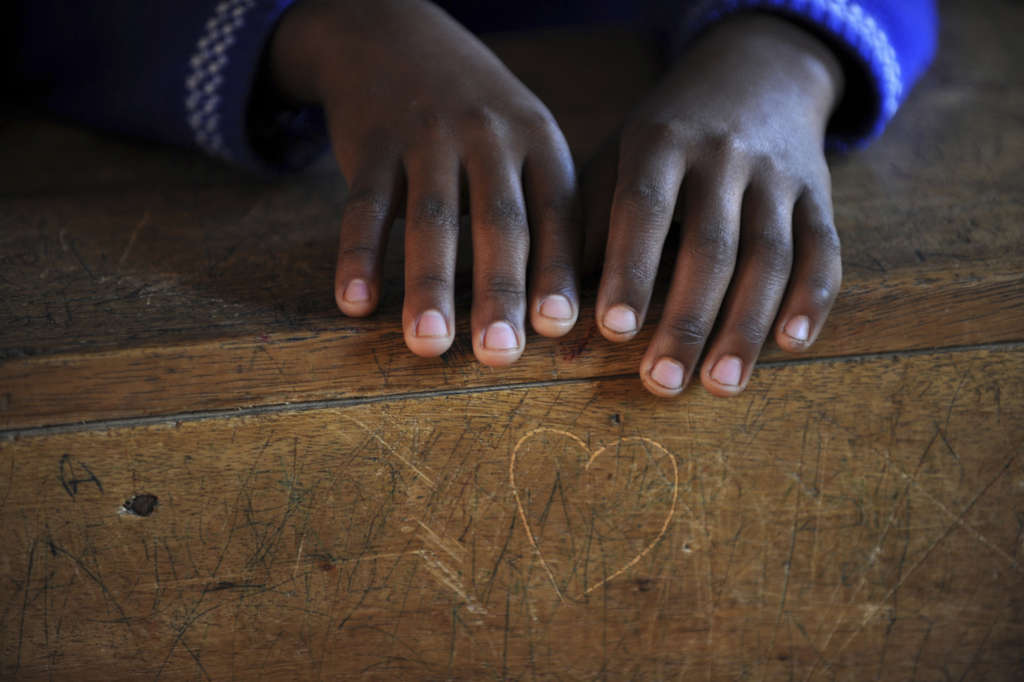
{"x": 208, "y": 473}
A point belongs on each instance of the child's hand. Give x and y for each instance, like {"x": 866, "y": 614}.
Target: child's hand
{"x": 416, "y": 107}
{"x": 732, "y": 143}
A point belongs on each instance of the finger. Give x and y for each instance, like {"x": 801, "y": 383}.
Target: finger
{"x": 366, "y": 219}
{"x": 501, "y": 243}
{"x": 431, "y": 236}
{"x": 549, "y": 179}
{"x": 817, "y": 273}
{"x": 707, "y": 255}
{"x": 649, "y": 175}
{"x": 757, "y": 287}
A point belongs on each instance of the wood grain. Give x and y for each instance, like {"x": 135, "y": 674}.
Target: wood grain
{"x": 107, "y": 245}
{"x": 922, "y": 310}
{"x": 856, "y": 514}
{"x": 844, "y": 519}
{"x": 158, "y": 283}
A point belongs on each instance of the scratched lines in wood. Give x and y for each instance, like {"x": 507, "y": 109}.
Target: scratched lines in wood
{"x": 387, "y": 538}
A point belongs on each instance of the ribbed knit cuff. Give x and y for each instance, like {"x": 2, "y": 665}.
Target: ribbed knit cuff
{"x": 219, "y": 84}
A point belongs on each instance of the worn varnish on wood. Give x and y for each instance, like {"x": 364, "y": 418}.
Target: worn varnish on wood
{"x": 842, "y": 520}
{"x": 856, "y": 514}
{"x": 959, "y": 307}
{"x": 133, "y": 288}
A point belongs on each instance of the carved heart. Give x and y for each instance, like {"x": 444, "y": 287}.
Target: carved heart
{"x": 591, "y": 517}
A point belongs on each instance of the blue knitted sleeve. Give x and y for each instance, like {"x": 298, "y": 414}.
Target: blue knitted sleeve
{"x": 181, "y": 72}
{"x": 884, "y": 45}
{"x": 184, "y": 72}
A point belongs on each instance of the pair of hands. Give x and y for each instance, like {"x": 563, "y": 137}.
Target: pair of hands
{"x": 423, "y": 117}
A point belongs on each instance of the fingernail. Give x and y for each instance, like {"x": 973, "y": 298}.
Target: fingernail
{"x": 357, "y": 292}
{"x": 620, "y": 319}
{"x": 556, "y": 307}
{"x": 727, "y": 370}
{"x": 500, "y": 336}
{"x": 431, "y": 325}
{"x": 798, "y": 328}
{"x": 668, "y": 373}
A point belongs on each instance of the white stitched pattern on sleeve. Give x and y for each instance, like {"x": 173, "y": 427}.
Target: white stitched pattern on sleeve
{"x": 206, "y": 74}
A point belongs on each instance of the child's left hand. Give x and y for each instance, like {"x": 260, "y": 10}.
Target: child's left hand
{"x": 732, "y": 143}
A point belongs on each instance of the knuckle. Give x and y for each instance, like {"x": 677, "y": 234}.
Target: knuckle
{"x": 689, "y": 330}
{"x": 556, "y": 270}
{"x": 538, "y": 122}
{"x": 727, "y": 147}
{"x": 634, "y": 273}
{"x": 771, "y": 166}
{"x": 504, "y": 286}
{"x": 429, "y": 122}
{"x": 357, "y": 252}
{"x": 482, "y": 121}
{"x": 429, "y": 281}
{"x": 822, "y": 288}
{"x": 506, "y": 214}
{"x": 827, "y": 240}
{"x": 648, "y": 134}
{"x": 714, "y": 243}
{"x": 772, "y": 249}
{"x": 365, "y": 205}
{"x": 752, "y": 330}
{"x": 433, "y": 211}
{"x": 646, "y": 197}
{"x": 557, "y": 211}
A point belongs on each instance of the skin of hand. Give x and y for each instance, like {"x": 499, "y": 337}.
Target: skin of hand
{"x": 731, "y": 144}
{"x": 424, "y": 119}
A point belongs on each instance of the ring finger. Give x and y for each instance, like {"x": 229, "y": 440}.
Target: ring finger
{"x": 762, "y": 271}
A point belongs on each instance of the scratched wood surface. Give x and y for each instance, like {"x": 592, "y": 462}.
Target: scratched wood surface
{"x": 845, "y": 519}
{"x": 136, "y": 280}
{"x": 857, "y": 514}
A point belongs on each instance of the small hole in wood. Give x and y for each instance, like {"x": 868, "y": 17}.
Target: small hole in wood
{"x": 141, "y": 505}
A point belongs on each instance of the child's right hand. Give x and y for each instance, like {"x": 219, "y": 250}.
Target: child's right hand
{"x": 422, "y": 116}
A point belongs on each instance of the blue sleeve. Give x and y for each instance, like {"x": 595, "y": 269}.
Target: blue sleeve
{"x": 885, "y": 46}
{"x": 179, "y": 71}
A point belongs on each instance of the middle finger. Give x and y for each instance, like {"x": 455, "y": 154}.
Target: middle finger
{"x": 501, "y": 244}
{"x": 707, "y": 255}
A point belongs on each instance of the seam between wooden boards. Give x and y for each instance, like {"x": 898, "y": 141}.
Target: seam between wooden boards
{"x": 307, "y": 406}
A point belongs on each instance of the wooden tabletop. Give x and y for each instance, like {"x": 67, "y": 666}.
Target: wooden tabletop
{"x": 208, "y": 473}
